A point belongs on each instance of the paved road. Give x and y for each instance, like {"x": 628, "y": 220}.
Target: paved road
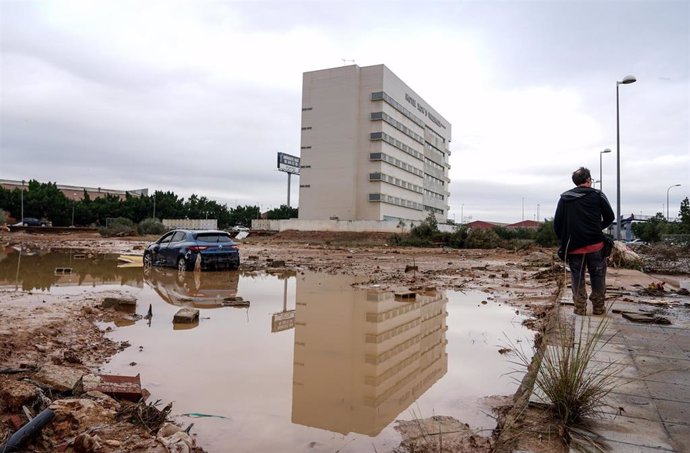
{"x": 650, "y": 406}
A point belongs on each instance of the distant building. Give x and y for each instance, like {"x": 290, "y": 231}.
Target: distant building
{"x": 527, "y": 224}
{"x": 77, "y": 192}
{"x": 371, "y": 148}
{"x": 482, "y": 225}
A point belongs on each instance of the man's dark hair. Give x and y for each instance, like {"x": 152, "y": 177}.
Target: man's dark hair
{"x": 581, "y": 175}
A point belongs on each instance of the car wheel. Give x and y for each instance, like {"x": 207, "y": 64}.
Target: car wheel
{"x": 148, "y": 260}
{"x": 182, "y": 265}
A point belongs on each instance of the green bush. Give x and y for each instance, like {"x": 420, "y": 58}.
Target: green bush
{"x": 545, "y": 236}
{"x": 150, "y": 226}
{"x": 119, "y": 227}
{"x": 483, "y": 239}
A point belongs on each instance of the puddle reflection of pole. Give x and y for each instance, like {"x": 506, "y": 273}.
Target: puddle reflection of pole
{"x": 285, "y": 295}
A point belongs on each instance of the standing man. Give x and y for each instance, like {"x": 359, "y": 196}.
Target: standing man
{"x": 581, "y": 215}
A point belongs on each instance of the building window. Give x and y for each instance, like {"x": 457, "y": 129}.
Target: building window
{"x": 304, "y": 109}
{"x": 308, "y": 128}
{"x": 305, "y": 147}
{"x": 396, "y": 163}
{"x": 383, "y": 198}
{"x": 396, "y": 143}
{"x": 304, "y": 185}
{"x": 381, "y": 96}
{"x": 398, "y": 125}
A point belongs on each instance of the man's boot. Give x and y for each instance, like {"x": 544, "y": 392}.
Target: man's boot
{"x": 580, "y": 301}
{"x": 598, "y": 305}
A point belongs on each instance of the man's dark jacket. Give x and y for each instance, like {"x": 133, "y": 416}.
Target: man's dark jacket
{"x": 581, "y": 214}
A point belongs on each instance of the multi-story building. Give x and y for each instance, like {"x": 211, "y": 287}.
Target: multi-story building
{"x": 371, "y": 148}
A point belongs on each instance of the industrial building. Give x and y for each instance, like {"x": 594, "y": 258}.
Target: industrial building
{"x": 371, "y": 148}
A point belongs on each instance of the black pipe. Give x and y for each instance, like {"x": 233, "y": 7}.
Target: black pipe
{"x": 25, "y": 432}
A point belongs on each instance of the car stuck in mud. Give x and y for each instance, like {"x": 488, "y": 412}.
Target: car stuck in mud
{"x": 186, "y": 249}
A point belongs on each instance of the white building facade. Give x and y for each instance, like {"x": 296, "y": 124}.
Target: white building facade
{"x": 371, "y": 148}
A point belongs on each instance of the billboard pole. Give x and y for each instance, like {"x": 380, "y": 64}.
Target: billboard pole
{"x": 289, "y": 175}
{"x": 290, "y": 165}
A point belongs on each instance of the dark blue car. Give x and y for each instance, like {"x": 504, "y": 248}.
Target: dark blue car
{"x": 182, "y": 249}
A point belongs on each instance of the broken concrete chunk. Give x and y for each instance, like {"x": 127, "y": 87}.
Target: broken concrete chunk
{"x": 59, "y": 378}
{"x": 81, "y": 412}
{"x": 186, "y": 315}
{"x": 276, "y": 263}
{"x": 645, "y": 318}
{"x": 15, "y": 394}
{"x": 119, "y": 302}
{"x": 121, "y": 387}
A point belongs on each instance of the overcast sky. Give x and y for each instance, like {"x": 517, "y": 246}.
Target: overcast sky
{"x": 199, "y": 96}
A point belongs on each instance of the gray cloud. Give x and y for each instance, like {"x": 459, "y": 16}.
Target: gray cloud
{"x": 199, "y": 98}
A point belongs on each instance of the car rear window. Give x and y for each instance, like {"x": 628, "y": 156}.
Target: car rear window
{"x": 213, "y": 237}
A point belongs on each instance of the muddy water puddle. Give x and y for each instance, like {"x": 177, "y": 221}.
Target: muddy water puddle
{"x": 312, "y": 364}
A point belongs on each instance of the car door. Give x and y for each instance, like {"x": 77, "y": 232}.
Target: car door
{"x": 160, "y": 249}
{"x": 172, "y": 249}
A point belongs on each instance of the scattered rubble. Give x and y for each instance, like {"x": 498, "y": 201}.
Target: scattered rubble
{"x": 48, "y": 342}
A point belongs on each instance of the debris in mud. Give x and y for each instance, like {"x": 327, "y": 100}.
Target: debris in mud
{"x": 439, "y": 434}
{"x": 645, "y": 318}
{"x": 58, "y": 378}
{"x": 123, "y": 302}
{"x": 121, "y": 387}
{"x": 186, "y": 315}
{"x": 144, "y": 414}
{"x": 23, "y": 434}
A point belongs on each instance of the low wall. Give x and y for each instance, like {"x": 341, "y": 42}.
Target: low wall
{"x": 191, "y": 224}
{"x": 359, "y": 226}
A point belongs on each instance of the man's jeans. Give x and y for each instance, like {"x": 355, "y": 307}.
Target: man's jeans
{"x": 596, "y": 266}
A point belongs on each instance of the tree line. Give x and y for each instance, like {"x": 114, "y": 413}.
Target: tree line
{"x": 46, "y": 202}
{"x": 654, "y": 229}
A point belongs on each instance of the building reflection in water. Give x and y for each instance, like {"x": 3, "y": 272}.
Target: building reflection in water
{"x": 361, "y": 356}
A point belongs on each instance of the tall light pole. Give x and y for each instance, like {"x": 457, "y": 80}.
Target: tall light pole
{"x": 22, "y": 197}
{"x": 74, "y": 202}
{"x": 668, "y": 219}
{"x": 601, "y": 181}
{"x": 626, "y": 80}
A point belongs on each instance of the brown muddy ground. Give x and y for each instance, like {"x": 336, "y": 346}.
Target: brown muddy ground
{"x": 39, "y": 330}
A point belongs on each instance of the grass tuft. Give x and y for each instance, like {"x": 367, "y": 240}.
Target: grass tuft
{"x": 573, "y": 384}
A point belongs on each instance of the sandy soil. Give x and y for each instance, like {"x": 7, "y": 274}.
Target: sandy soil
{"x": 46, "y": 329}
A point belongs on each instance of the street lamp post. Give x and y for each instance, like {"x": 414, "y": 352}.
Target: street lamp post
{"x": 626, "y": 80}
{"x": 601, "y": 181}
{"x": 22, "y": 197}
{"x": 668, "y": 219}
